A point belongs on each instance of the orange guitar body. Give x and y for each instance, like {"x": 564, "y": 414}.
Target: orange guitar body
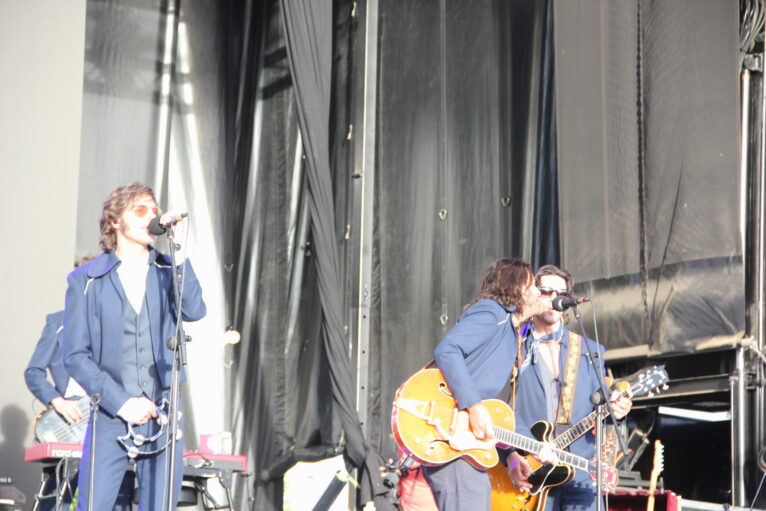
{"x": 427, "y": 423}
{"x": 505, "y": 496}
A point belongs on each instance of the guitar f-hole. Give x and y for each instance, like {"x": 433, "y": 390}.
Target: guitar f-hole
{"x": 444, "y": 389}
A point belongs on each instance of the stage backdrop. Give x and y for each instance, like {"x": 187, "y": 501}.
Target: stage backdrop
{"x": 607, "y": 144}
{"x": 649, "y": 168}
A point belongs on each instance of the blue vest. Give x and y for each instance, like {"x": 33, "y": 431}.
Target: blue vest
{"x": 138, "y": 370}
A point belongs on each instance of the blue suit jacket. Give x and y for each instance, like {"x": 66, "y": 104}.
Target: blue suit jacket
{"x": 477, "y": 354}
{"x": 94, "y": 323}
{"x": 47, "y": 357}
{"x": 530, "y": 397}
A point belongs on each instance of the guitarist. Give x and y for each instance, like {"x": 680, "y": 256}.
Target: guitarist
{"x": 547, "y": 375}
{"x": 476, "y": 357}
{"x": 45, "y": 359}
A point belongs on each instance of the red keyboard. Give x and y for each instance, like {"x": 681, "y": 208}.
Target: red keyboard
{"x": 52, "y": 451}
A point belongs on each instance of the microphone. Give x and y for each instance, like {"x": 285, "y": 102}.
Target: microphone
{"x": 562, "y": 303}
{"x": 157, "y": 228}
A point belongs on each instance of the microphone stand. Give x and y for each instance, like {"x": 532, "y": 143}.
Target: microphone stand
{"x": 95, "y": 399}
{"x": 598, "y": 369}
{"x": 178, "y": 344}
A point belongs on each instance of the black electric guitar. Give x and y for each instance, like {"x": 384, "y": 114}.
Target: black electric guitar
{"x": 50, "y": 426}
{"x": 546, "y": 475}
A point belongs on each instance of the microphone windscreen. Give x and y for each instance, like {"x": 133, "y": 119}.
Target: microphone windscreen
{"x": 558, "y": 303}
{"x": 155, "y": 227}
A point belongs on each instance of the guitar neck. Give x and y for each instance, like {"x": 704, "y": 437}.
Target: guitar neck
{"x": 586, "y": 424}
{"x": 513, "y": 439}
{"x": 652, "y": 488}
{"x": 650, "y": 501}
{"x": 579, "y": 429}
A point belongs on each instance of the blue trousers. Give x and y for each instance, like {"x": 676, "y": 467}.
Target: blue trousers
{"x": 458, "y": 486}
{"x": 49, "y": 488}
{"x": 112, "y": 463}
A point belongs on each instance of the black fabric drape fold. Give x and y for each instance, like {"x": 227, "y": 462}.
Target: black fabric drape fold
{"x": 545, "y": 230}
{"x": 279, "y": 409}
{"x": 308, "y": 33}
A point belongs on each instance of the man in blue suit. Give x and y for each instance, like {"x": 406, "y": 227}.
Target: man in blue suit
{"x": 47, "y": 358}
{"x": 540, "y": 396}
{"x": 476, "y": 357}
{"x": 120, "y": 310}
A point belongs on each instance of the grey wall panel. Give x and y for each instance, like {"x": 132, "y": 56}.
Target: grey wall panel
{"x": 41, "y": 57}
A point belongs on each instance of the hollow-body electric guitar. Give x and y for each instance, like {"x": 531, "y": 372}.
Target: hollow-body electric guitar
{"x": 546, "y": 475}
{"x": 427, "y": 424}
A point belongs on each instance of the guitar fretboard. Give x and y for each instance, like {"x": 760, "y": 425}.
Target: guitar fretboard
{"x": 512, "y": 439}
{"x": 586, "y": 424}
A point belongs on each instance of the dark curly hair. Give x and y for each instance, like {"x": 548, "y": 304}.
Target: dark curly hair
{"x": 550, "y": 269}
{"x": 505, "y": 281}
{"x": 119, "y": 201}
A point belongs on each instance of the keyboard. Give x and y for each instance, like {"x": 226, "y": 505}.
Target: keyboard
{"x": 54, "y": 451}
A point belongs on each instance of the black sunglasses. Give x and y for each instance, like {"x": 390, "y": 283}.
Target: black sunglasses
{"x": 548, "y": 291}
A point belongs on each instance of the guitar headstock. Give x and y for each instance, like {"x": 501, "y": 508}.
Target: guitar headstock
{"x": 648, "y": 381}
{"x": 658, "y": 464}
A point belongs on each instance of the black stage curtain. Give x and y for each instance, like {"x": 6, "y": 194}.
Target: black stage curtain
{"x": 281, "y": 410}
{"x": 309, "y": 35}
{"x": 649, "y": 168}
{"x": 465, "y": 109}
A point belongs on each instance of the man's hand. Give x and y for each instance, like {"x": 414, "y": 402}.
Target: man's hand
{"x": 67, "y": 408}
{"x": 547, "y": 454}
{"x": 519, "y": 470}
{"x": 138, "y": 410}
{"x": 620, "y": 406}
{"x": 481, "y": 422}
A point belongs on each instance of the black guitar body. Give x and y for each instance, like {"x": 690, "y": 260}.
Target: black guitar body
{"x": 547, "y": 475}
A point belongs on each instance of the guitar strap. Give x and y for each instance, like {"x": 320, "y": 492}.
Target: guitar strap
{"x": 508, "y": 394}
{"x": 570, "y": 379}
{"x": 517, "y": 365}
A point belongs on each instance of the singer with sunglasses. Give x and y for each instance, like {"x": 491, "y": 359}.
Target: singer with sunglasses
{"x": 546, "y": 378}
{"x": 120, "y": 310}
